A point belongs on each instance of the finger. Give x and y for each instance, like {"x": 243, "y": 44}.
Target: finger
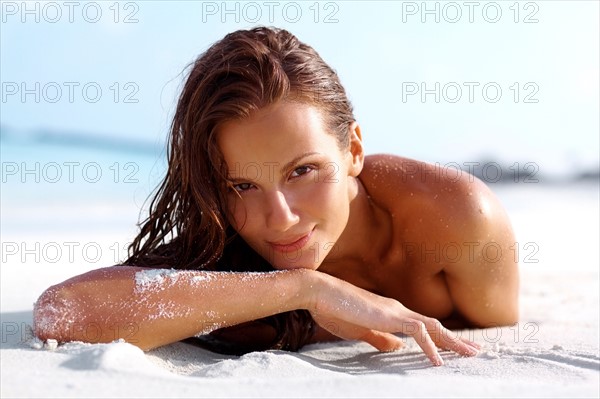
{"x": 459, "y": 346}
{"x": 418, "y": 331}
{"x": 446, "y": 339}
{"x": 383, "y": 342}
{"x": 471, "y": 343}
{"x": 449, "y": 340}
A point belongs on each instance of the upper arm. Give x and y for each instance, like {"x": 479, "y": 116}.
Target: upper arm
{"x": 484, "y": 282}
{"x": 461, "y": 230}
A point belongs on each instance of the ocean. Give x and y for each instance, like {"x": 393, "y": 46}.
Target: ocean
{"x": 69, "y": 190}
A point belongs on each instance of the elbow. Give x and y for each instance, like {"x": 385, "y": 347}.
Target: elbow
{"x": 489, "y": 314}
{"x": 508, "y": 316}
{"x": 54, "y": 314}
{"x": 505, "y": 319}
{"x": 511, "y": 317}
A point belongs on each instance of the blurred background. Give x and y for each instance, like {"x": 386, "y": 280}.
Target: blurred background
{"x": 507, "y": 89}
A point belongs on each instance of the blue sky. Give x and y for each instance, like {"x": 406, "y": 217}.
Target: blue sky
{"x": 517, "y": 81}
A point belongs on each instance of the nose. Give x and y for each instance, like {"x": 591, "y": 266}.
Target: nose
{"x": 280, "y": 215}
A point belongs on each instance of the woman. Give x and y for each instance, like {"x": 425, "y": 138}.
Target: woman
{"x": 285, "y": 233}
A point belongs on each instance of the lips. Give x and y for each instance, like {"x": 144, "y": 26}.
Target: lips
{"x": 292, "y": 244}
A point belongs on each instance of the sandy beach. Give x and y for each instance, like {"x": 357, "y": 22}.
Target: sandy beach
{"x": 551, "y": 352}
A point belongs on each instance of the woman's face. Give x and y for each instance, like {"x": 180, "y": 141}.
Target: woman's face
{"x": 292, "y": 183}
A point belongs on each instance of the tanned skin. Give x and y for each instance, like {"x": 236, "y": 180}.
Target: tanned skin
{"x": 370, "y": 246}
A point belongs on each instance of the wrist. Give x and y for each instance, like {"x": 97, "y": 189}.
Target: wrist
{"x": 311, "y": 285}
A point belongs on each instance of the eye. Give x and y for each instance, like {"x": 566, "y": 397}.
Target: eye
{"x": 241, "y": 187}
{"x": 302, "y": 170}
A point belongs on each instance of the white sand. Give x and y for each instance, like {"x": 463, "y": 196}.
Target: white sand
{"x": 552, "y": 352}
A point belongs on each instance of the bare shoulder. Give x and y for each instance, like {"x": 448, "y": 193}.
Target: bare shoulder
{"x": 441, "y": 199}
{"x": 455, "y": 234}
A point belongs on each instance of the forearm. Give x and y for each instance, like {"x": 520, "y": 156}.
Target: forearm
{"x": 150, "y": 308}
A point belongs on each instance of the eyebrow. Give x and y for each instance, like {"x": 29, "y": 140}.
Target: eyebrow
{"x": 298, "y": 159}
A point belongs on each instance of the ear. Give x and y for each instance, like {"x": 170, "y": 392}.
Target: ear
{"x": 356, "y": 149}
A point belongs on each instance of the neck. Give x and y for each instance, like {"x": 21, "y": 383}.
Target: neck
{"x": 363, "y": 241}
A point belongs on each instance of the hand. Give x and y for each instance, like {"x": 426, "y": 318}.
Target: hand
{"x": 352, "y": 313}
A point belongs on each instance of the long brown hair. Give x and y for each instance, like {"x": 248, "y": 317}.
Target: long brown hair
{"x": 187, "y": 226}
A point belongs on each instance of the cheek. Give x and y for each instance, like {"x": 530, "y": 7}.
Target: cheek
{"x": 327, "y": 198}
{"x": 245, "y": 217}
{"x": 237, "y": 213}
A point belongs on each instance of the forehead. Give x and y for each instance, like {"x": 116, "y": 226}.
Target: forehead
{"x": 285, "y": 117}
{"x": 275, "y": 134}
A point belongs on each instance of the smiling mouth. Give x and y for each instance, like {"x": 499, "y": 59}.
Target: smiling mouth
{"x": 294, "y": 245}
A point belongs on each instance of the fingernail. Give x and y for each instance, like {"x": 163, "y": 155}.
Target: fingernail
{"x": 474, "y": 345}
{"x": 438, "y": 360}
{"x": 473, "y": 351}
